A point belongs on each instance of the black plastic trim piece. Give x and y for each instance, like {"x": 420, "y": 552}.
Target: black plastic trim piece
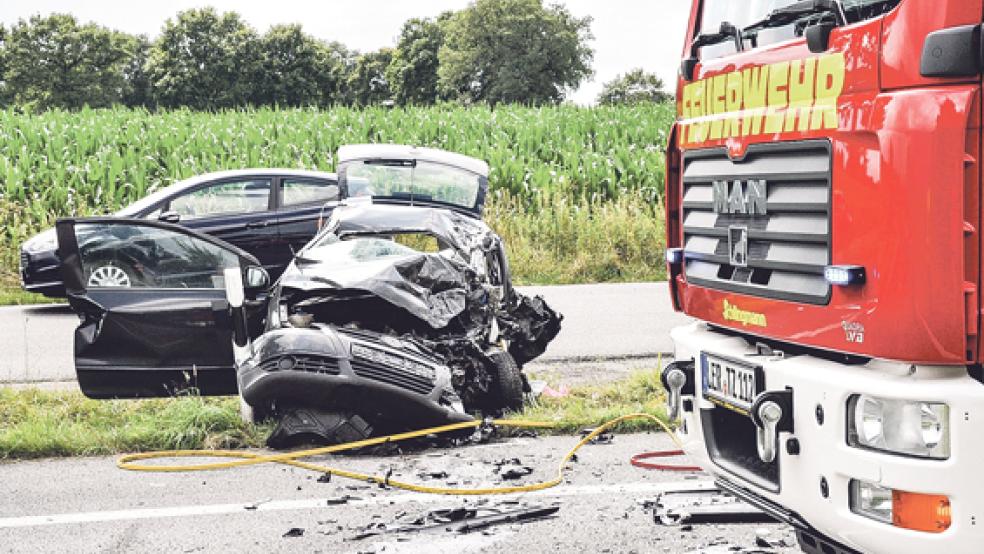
{"x": 785, "y": 401}
{"x": 953, "y": 52}
{"x": 788, "y": 517}
{"x": 687, "y": 367}
{"x": 818, "y": 37}
{"x": 731, "y": 466}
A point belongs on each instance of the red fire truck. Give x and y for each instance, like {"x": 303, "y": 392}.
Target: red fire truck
{"x": 824, "y": 221}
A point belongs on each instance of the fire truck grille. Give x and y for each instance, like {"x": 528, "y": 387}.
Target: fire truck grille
{"x": 759, "y": 225}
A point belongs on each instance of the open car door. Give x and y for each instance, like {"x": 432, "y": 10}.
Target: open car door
{"x": 152, "y": 300}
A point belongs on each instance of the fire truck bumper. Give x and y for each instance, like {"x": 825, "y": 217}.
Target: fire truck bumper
{"x": 845, "y": 496}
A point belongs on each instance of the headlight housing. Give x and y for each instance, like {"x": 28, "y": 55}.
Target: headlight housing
{"x": 42, "y": 242}
{"x": 929, "y": 513}
{"x": 910, "y": 428}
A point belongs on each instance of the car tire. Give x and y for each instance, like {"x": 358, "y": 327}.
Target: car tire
{"x": 109, "y": 274}
{"x": 303, "y": 426}
{"x": 507, "y": 381}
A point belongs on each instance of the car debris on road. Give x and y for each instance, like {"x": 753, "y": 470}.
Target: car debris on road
{"x": 698, "y": 506}
{"x": 461, "y": 520}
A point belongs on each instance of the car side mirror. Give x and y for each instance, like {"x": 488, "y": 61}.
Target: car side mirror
{"x": 257, "y": 278}
{"x": 169, "y": 216}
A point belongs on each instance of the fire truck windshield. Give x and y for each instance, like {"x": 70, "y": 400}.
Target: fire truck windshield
{"x": 751, "y": 12}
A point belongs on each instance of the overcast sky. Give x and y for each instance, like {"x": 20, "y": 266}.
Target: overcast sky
{"x": 628, "y": 33}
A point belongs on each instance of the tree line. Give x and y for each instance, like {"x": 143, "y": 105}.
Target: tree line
{"x": 493, "y": 51}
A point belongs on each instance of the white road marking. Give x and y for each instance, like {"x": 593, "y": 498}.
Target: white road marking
{"x": 322, "y": 503}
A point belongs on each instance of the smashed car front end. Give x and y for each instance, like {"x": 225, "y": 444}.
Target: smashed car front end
{"x": 401, "y": 335}
{"x": 351, "y": 371}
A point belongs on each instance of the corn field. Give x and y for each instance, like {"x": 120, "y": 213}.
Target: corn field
{"x": 557, "y": 172}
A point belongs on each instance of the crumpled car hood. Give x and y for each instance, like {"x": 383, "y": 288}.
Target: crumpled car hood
{"x": 429, "y": 286}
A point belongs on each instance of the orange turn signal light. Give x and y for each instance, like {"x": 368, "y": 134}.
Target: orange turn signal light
{"x": 929, "y": 513}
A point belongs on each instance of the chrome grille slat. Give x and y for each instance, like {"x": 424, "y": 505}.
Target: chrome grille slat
{"x": 788, "y": 246}
{"x": 392, "y": 376}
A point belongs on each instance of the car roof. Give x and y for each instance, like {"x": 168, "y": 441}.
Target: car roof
{"x": 350, "y": 152}
{"x": 233, "y": 173}
{"x": 192, "y": 182}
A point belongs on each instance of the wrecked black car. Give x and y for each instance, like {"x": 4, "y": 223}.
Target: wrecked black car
{"x": 399, "y": 314}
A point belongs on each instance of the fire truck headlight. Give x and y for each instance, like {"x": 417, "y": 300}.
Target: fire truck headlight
{"x": 929, "y": 513}
{"x": 844, "y": 275}
{"x": 871, "y": 501}
{"x": 920, "y": 429}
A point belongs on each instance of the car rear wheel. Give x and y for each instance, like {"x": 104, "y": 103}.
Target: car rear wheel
{"x": 109, "y": 275}
{"x": 507, "y": 381}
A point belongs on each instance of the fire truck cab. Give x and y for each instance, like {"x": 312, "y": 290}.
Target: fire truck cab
{"x": 824, "y": 228}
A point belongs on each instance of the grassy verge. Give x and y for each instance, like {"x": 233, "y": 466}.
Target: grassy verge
{"x": 554, "y": 240}
{"x": 11, "y": 293}
{"x": 591, "y": 406}
{"x": 36, "y": 423}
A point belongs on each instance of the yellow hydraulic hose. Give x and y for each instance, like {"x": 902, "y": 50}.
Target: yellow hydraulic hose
{"x": 245, "y": 458}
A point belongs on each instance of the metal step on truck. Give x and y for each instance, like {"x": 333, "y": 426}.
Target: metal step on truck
{"x": 824, "y": 221}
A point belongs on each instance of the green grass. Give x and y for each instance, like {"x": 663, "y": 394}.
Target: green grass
{"x": 576, "y": 191}
{"x": 35, "y": 423}
{"x": 11, "y": 293}
{"x": 554, "y": 240}
{"x": 591, "y": 406}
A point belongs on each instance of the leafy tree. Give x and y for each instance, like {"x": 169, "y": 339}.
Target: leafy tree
{"x": 53, "y": 62}
{"x": 137, "y": 89}
{"x": 366, "y": 84}
{"x": 4, "y": 99}
{"x": 634, "y": 87}
{"x": 412, "y": 75}
{"x": 514, "y": 51}
{"x": 204, "y": 60}
{"x": 297, "y": 69}
{"x": 341, "y": 62}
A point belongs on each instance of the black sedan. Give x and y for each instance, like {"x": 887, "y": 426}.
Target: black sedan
{"x": 269, "y": 213}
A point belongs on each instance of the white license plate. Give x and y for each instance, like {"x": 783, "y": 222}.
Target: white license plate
{"x": 729, "y": 384}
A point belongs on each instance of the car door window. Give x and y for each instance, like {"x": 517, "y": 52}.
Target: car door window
{"x": 230, "y": 197}
{"x": 132, "y": 256}
{"x": 297, "y": 191}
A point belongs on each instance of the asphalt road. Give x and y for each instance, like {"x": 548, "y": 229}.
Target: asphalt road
{"x": 601, "y": 322}
{"x": 88, "y": 505}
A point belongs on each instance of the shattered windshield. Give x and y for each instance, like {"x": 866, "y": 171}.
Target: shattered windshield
{"x": 355, "y": 250}
{"x": 413, "y": 181}
{"x": 741, "y": 14}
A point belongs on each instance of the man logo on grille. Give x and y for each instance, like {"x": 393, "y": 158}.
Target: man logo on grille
{"x": 738, "y": 246}
{"x": 741, "y": 197}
